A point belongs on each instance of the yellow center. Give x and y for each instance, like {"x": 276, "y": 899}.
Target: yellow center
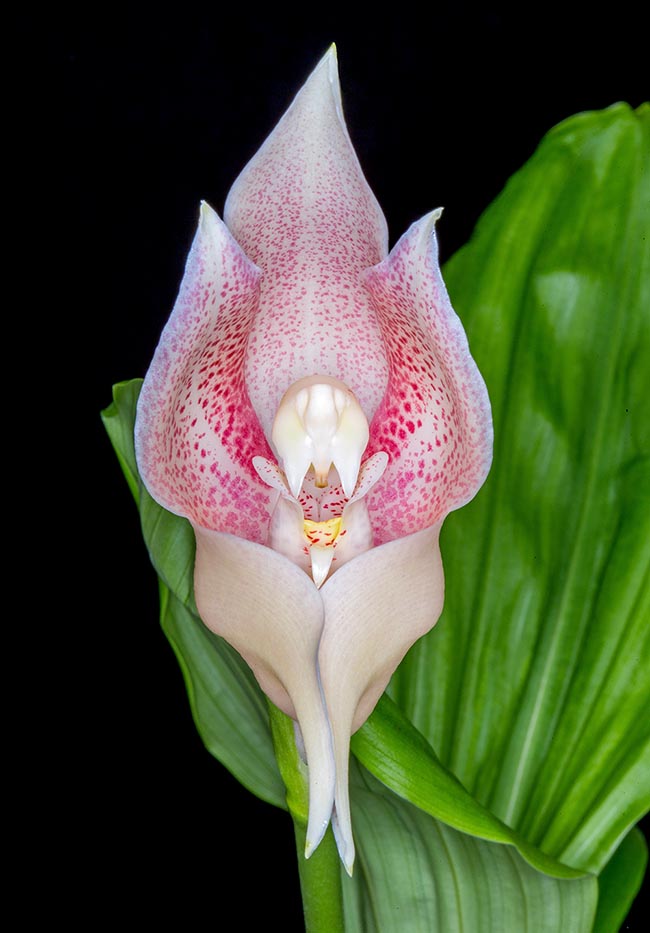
{"x": 323, "y": 534}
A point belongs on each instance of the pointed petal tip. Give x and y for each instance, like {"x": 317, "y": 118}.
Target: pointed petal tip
{"x": 333, "y": 65}
{"x": 342, "y": 830}
{"x": 328, "y": 68}
{"x": 330, "y": 60}
{"x": 321, "y": 561}
{"x": 430, "y": 220}
{"x": 206, "y": 213}
{"x": 210, "y": 224}
{"x": 314, "y": 836}
{"x": 347, "y": 855}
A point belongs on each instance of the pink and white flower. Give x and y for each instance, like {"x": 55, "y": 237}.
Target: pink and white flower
{"x": 313, "y": 409}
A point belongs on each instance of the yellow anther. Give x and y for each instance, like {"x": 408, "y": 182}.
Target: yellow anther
{"x": 322, "y": 534}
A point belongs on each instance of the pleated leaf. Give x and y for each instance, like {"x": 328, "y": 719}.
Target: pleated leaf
{"x": 619, "y": 882}
{"x": 414, "y": 873}
{"x": 534, "y": 687}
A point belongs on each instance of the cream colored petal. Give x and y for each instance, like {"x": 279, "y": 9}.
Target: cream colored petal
{"x": 358, "y": 534}
{"x": 376, "y": 607}
{"x": 269, "y": 610}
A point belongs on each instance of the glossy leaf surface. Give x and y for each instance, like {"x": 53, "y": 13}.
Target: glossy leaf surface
{"x": 533, "y": 689}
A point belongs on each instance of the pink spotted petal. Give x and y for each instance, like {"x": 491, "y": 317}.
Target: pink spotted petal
{"x": 435, "y": 420}
{"x": 357, "y": 534}
{"x": 270, "y": 611}
{"x": 370, "y": 473}
{"x": 370, "y": 623}
{"x": 271, "y": 475}
{"x": 196, "y": 432}
{"x": 303, "y": 212}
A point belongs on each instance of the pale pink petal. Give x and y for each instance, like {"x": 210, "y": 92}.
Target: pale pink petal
{"x": 370, "y": 623}
{"x": 271, "y": 475}
{"x": 356, "y": 536}
{"x": 272, "y": 614}
{"x": 286, "y": 532}
{"x": 357, "y": 533}
{"x": 435, "y": 420}
{"x": 303, "y": 212}
{"x": 370, "y": 473}
{"x": 196, "y": 432}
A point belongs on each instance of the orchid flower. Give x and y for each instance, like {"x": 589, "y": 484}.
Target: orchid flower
{"x": 313, "y": 409}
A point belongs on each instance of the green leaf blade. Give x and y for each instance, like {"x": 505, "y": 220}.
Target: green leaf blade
{"x": 118, "y": 419}
{"x": 532, "y": 687}
{"x": 394, "y": 751}
{"x": 417, "y": 874}
{"x": 619, "y": 882}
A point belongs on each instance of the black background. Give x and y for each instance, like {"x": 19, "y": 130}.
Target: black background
{"x": 146, "y": 113}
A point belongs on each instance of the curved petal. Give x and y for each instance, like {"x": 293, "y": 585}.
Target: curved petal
{"x": 272, "y": 614}
{"x": 435, "y": 419}
{"x": 303, "y": 212}
{"x": 357, "y": 534}
{"x": 370, "y": 623}
{"x": 196, "y": 432}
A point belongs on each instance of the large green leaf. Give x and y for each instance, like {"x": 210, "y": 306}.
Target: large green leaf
{"x": 620, "y": 881}
{"x": 534, "y": 687}
{"x": 416, "y": 874}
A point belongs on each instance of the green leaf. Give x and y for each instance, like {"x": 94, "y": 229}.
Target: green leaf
{"x": 414, "y": 873}
{"x": 619, "y": 882}
{"x": 534, "y": 687}
{"x": 118, "y": 419}
{"x": 395, "y": 752}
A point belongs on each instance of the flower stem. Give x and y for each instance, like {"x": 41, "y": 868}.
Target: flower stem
{"x": 320, "y": 884}
{"x": 320, "y": 875}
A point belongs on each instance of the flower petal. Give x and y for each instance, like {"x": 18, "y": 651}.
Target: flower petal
{"x": 435, "y": 419}
{"x": 370, "y": 623}
{"x": 270, "y": 611}
{"x": 303, "y": 212}
{"x": 196, "y": 432}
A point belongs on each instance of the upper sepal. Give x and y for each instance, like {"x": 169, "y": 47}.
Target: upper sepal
{"x": 303, "y": 212}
